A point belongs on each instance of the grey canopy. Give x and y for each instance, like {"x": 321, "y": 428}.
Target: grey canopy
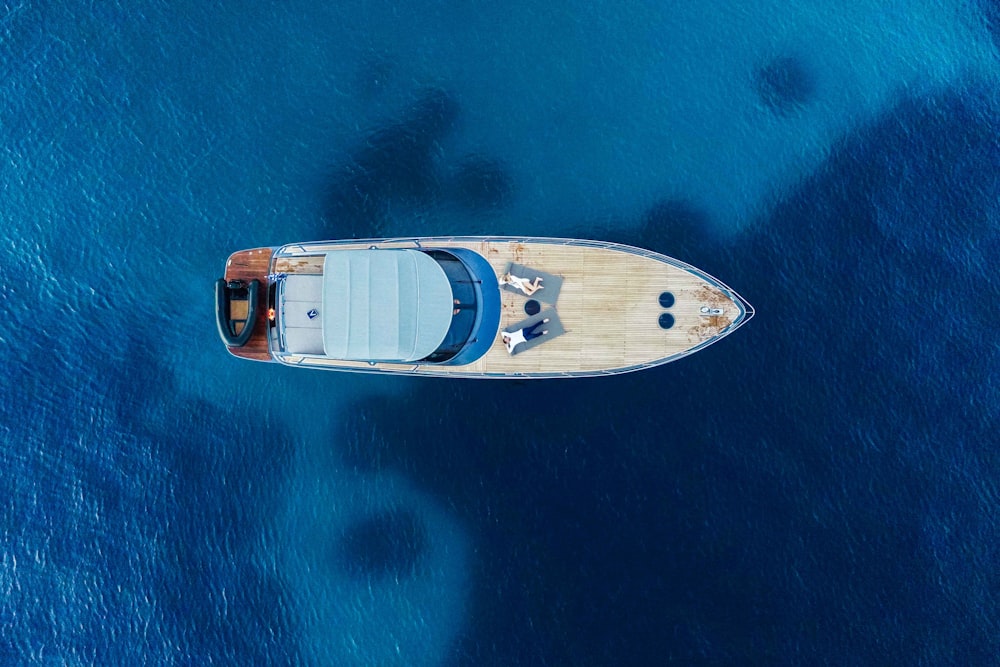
{"x": 384, "y": 305}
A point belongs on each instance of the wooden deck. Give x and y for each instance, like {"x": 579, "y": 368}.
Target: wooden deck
{"x": 247, "y": 265}
{"x": 608, "y": 304}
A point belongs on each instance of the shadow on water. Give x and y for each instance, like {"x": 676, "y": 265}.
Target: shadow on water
{"x": 675, "y": 226}
{"x": 990, "y": 12}
{"x": 784, "y": 84}
{"x": 217, "y": 508}
{"x": 388, "y": 544}
{"x": 481, "y": 184}
{"x": 212, "y": 555}
{"x": 775, "y": 495}
{"x": 680, "y": 228}
{"x": 395, "y": 167}
{"x": 156, "y": 500}
{"x": 399, "y": 171}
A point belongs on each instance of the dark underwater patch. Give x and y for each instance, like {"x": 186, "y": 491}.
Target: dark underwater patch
{"x": 888, "y": 238}
{"x": 374, "y": 75}
{"x": 481, "y": 184}
{"x": 391, "y": 543}
{"x": 225, "y": 469}
{"x": 393, "y": 167}
{"x": 784, "y": 84}
{"x": 677, "y": 227}
{"x": 158, "y": 500}
{"x": 793, "y": 472}
{"x": 990, "y": 11}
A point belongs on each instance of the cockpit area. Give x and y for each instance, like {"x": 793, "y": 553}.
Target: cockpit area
{"x": 389, "y": 305}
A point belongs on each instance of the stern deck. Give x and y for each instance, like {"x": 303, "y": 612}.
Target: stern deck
{"x": 247, "y": 265}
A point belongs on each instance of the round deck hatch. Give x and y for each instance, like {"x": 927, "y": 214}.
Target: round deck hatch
{"x": 666, "y": 300}
{"x": 532, "y": 307}
{"x": 666, "y": 321}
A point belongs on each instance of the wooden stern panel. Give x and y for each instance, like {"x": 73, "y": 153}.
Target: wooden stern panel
{"x": 247, "y": 265}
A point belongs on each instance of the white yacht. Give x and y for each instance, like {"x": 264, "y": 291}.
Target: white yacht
{"x": 475, "y": 307}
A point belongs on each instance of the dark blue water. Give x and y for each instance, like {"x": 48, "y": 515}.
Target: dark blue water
{"x": 820, "y": 488}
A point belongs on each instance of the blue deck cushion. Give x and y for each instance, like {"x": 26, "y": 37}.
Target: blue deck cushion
{"x": 384, "y": 305}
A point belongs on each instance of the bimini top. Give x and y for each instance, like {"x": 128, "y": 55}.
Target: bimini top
{"x": 384, "y": 305}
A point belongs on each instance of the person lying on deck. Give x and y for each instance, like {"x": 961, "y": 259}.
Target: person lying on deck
{"x": 514, "y": 338}
{"x": 529, "y": 287}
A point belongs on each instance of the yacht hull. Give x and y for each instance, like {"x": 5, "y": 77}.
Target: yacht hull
{"x": 609, "y": 308}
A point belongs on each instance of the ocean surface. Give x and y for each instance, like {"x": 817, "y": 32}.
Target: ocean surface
{"x": 820, "y": 488}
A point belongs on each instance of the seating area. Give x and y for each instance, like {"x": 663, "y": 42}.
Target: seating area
{"x": 550, "y": 324}
{"x": 549, "y": 284}
{"x": 301, "y": 314}
{"x": 538, "y": 287}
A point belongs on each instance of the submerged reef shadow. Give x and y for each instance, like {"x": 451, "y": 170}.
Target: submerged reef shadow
{"x": 990, "y": 12}
{"x": 673, "y": 225}
{"x": 481, "y": 184}
{"x": 784, "y": 84}
{"x": 678, "y": 227}
{"x": 160, "y": 498}
{"x": 393, "y": 167}
{"x": 391, "y": 543}
{"x": 807, "y": 443}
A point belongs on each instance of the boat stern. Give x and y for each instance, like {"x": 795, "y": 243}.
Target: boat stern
{"x": 243, "y": 304}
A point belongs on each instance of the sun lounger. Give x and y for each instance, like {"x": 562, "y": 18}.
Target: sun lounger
{"x": 553, "y": 326}
{"x": 550, "y": 283}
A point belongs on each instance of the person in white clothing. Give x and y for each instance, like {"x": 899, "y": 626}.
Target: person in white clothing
{"x": 514, "y": 338}
{"x": 529, "y": 287}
